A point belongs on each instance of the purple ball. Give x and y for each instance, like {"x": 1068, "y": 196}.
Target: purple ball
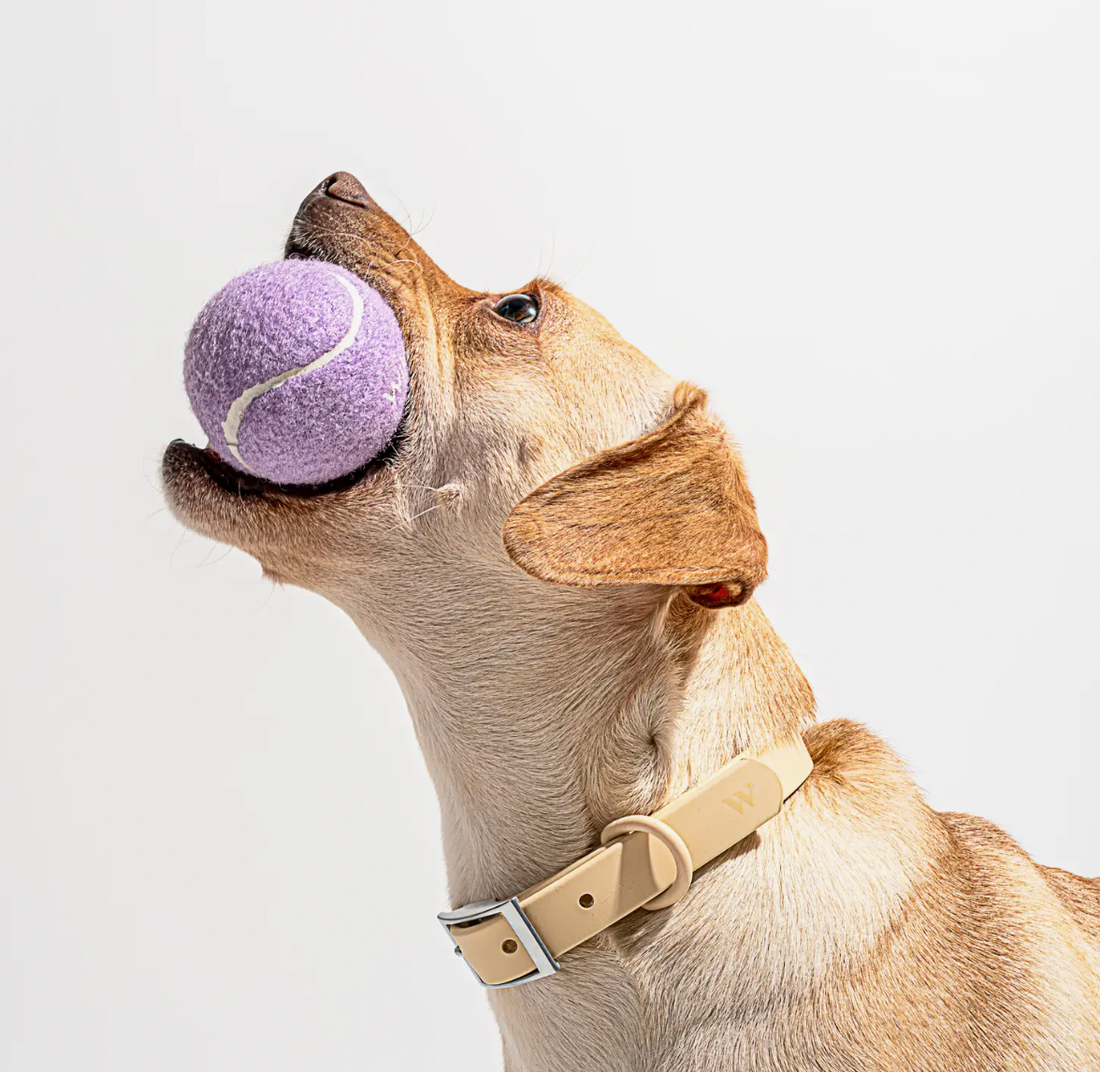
{"x": 296, "y": 372}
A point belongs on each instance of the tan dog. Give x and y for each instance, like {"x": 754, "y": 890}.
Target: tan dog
{"x": 567, "y": 674}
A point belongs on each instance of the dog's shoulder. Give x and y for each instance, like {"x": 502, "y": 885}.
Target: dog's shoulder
{"x": 861, "y": 785}
{"x": 843, "y": 749}
{"x": 853, "y": 763}
{"x": 1080, "y": 895}
{"x": 850, "y": 759}
{"x": 981, "y": 838}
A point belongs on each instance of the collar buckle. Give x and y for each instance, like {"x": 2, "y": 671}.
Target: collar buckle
{"x": 522, "y": 928}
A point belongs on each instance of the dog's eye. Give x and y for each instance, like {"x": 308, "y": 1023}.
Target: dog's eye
{"x": 519, "y": 308}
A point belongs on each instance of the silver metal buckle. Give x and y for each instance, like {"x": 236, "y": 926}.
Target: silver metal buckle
{"x": 526, "y": 935}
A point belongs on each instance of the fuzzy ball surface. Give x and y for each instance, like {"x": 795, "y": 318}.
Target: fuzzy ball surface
{"x": 297, "y": 372}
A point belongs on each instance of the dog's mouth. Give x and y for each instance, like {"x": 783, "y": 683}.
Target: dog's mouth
{"x": 331, "y": 226}
{"x": 244, "y": 485}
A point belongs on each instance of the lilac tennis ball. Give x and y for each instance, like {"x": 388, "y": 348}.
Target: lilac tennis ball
{"x": 296, "y": 372}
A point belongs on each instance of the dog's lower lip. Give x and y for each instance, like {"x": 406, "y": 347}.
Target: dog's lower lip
{"x": 240, "y": 483}
{"x": 223, "y": 474}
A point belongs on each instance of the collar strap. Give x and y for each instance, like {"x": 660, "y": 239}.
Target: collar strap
{"x": 517, "y": 940}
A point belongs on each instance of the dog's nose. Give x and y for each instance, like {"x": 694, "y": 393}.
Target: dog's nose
{"x": 343, "y": 186}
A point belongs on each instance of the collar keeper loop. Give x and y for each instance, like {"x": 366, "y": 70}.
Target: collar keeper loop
{"x": 672, "y": 841}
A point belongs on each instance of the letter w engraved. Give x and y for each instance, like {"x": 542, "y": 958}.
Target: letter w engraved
{"x": 740, "y": 799}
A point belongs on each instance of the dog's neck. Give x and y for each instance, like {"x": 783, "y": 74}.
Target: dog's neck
{"x": 542, "y": 721}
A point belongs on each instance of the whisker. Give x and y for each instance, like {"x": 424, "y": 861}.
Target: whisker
{"x": 418, "y": 487}
{"x": 405, "y": 209}
{"x": 425, "y": 226}
{"x": 423, "y": 512}
{"x": 221, "y": 558}
{"x": 172, "y": 557}
{"x": 310, "y": 244}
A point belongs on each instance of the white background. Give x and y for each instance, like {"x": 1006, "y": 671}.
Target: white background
{"x": 871, "y": 230}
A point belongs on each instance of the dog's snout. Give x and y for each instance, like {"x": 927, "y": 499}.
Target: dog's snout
{"x": 343, "y": 186}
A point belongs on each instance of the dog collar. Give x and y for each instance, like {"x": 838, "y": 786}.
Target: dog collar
{"x": 644, "y": 861}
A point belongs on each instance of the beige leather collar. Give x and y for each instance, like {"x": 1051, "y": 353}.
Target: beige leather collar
{"x": 645, "y": 862}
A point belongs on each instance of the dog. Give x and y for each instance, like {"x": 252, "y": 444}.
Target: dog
{"x": 557, "y": 559}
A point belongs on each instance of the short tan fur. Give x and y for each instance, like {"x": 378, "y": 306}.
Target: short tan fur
{"x": 558, "y": 564}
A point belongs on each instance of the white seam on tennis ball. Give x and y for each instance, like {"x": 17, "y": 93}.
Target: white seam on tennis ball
{"x": 231, "y": 426}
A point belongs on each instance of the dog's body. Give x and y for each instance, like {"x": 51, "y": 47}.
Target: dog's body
{"x": 858, "y": 929}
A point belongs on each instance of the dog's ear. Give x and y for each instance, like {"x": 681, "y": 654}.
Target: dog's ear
{"x": 671, "y": 508}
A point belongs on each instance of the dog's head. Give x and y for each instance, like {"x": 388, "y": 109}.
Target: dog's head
{"x": 534, "y": 437}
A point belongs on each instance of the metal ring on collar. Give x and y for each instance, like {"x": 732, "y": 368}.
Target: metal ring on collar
{"x": 672, "y": 841}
